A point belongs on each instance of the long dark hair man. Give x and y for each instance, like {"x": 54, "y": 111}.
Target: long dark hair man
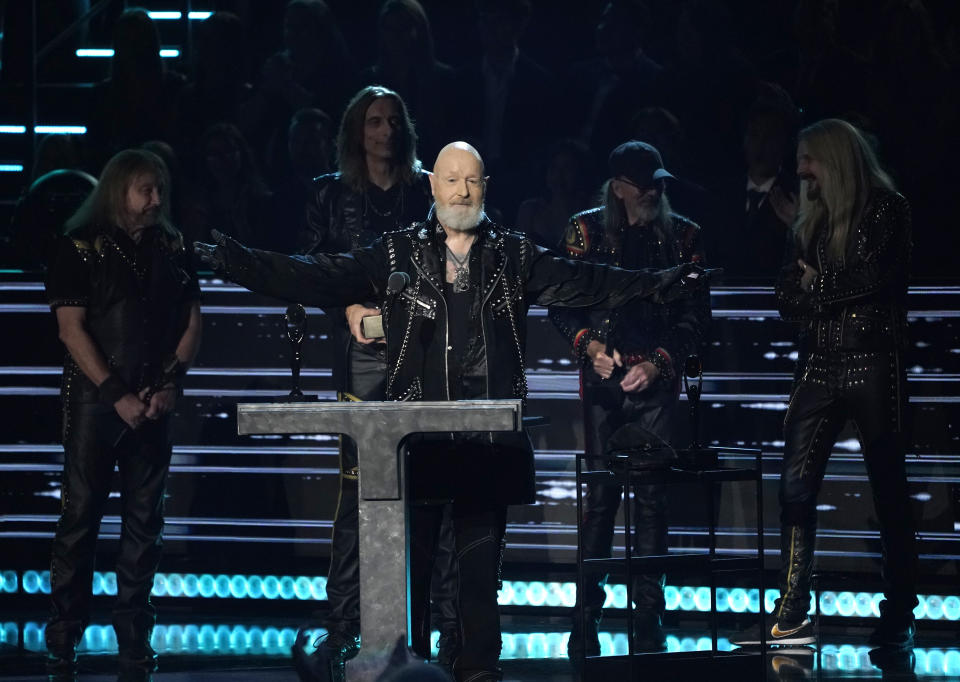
{"x": 846, "y": 280}
{"x": 128, "y": 312}
{"x": 380, "y": 187}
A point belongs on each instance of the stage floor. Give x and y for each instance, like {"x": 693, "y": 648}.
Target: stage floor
{"x": 214, "y": 650}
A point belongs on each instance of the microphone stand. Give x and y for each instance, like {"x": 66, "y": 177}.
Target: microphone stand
{"x": 296, "y": 323}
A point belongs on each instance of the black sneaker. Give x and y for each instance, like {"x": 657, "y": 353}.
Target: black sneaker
{"x": 778, "y": 634}
{"x": 341, "y": 644}
{"x": 894, "y": 632}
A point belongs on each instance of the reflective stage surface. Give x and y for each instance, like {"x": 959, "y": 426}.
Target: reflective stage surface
{"x": 534, "y": 650}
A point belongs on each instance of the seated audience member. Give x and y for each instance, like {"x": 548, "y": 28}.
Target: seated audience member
{"x": 568, "y": 179}
{"x": 227, "y": 192}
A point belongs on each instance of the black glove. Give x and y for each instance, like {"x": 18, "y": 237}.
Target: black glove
{"x": 680, "y": 282}
{"x": 214, "y": 255}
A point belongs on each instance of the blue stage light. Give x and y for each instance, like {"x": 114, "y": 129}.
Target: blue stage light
{"x": 207, "y": 639}
{"x": 301, "y": 588}
{"x": 738, "y": 600}
{"x": 671, "y": 596}
{"x": 13, "y": 130}
{"x": 519, "y": 593}
{"x": 207, "y": 586}
{"x": 159, "y": 585}
{"x": 934, "y": 607}
{"x": 951, "y": 662}
{"x": 221, "y": 585}
{"x": 9, "y": 582}
{"x": 238, "y": 587}
{"x": 11, "y": 167}
{"x": 701, "y": 598}
{"x": 318, "y": 587}
{"x": 536, "y": 594}
{"x": 175, "y": 584}
{"x": 846, "y": 604}
{"x": 31, "y": 582}
{"x": 616, "y": 596}
{"x": 195, "y": 16}
{"x": 255, "y": 587}
{"x": 33, "y": 636}
{"x": 951, "y": 608}
{"x": 920, "y": 610}
{"x": 723, "y": 599}
{"x": 110, "y": 583}
{"x": 191, "y": 585}
{"x": 687, "y": 602}
{"x": 271, "y": 587}
{"x": 828, "y": 603}
{"x": 286, "y": 587}
{"x": 770, "y": 597}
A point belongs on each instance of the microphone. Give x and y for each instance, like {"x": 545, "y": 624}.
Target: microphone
{"x": 397, "y": 282}
{"x": 693, "y": 367}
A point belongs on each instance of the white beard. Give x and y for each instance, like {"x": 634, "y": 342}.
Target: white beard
{"x": 459, "y": 218}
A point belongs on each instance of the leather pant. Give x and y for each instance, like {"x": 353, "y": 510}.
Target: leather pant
{"x": 96, "y": 439}
{"x": 368, "y": 374}
{"x": 607, "y": 409}
{"x": 869, "y": 389}
{"x": 478, "y": 531}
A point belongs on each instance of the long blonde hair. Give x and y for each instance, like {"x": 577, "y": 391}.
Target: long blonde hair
{"x": 105, "y": 206}
{"x": 849, "y": 171}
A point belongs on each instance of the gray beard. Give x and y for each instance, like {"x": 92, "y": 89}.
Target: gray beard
{"x": 647, "y": 213}
{"x": 459, "y": 220}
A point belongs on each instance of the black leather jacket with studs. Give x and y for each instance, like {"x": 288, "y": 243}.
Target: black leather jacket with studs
{"x": 858, "y": 304}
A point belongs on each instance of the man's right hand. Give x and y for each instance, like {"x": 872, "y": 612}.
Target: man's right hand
{"x": 603, "y": 364}
{"x": 355, "y": 314}
{"x": 131, "y": 409}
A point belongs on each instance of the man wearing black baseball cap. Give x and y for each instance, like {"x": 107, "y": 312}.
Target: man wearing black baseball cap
{"x": 629, "y": 371}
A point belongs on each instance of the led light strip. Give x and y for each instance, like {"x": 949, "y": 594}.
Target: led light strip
{"x": 167, "y": 52}
{"x": 513, "y": 593}
{"x": 209, "y": 639}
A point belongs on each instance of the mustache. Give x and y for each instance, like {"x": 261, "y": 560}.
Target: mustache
{"x": 807, "y": 176}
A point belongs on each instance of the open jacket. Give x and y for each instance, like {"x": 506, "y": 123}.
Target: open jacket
{"x": 641, "y": 331}
{"x": 508, "y": 273}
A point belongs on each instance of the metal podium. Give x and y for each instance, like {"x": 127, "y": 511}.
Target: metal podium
{"x": 378, "y": 429}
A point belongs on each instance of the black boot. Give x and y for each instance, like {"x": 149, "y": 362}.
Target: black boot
{"x": 133, "y": 630}
{"x": 62, "y": 638}
{"x": 648, "y": 632}
{"x": 896, "y": 629}
{"x": 584, "y": 642}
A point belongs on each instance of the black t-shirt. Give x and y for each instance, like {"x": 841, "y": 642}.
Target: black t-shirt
{"x": 458, "y": 326}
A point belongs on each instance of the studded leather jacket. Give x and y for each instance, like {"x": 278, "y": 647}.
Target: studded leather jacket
{"x": 137, "y": 298}
{"x": 508, "y": 273}
{"x": 642, "y": 331}
{"x": 340, "y": 219}
{"x": 860, "y": 303}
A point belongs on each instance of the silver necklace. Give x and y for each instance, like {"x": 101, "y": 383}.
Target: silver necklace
{"x": 461, "y": 272}
{"x": 397, "y": 203}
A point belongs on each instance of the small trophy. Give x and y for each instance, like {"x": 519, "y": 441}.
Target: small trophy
{"x": 296, "y": 318}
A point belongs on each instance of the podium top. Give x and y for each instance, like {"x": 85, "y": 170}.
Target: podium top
{"x": 408, "y": 417}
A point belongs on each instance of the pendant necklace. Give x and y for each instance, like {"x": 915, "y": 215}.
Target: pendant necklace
{"x": 461, "y": 269}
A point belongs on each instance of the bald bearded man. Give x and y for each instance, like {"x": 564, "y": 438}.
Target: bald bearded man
{"x": 456, "y": 331}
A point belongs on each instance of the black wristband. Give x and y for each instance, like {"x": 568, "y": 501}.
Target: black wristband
{"x": 112, "y": 389}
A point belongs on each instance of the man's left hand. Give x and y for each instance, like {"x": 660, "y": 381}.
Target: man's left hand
{"x": 161, "y": 402}
{"x": 640, "y": 377}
